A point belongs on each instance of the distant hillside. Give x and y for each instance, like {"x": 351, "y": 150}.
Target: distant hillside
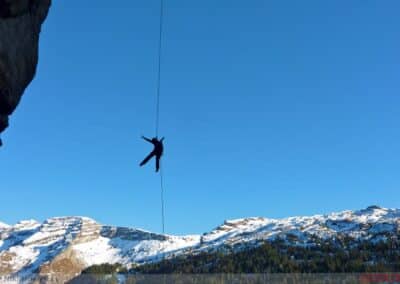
{"x": 346, "y": 255}
{"x": 363, "y": 240}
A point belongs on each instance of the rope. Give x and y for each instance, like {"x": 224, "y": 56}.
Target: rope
{"x": 162, "y": 201}
{"x": 159, "y": 67}
{"x": 158, "y": 109}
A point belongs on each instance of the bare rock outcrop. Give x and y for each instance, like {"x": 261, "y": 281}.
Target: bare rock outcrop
{"x": 62, "y": 268}
{"x": 20, "y": 25}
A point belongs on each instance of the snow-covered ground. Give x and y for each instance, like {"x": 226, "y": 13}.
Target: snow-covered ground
{"x": 27, "y": 245}
{"x": 3, "y": 226}
{"x": 104, "y": 250}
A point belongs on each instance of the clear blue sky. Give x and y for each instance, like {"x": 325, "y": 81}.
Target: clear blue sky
{"x": 269, "y": 108}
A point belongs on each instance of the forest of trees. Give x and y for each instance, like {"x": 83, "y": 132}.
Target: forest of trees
{"x": 277, "y": 257}
{"x": 272, "y": 257}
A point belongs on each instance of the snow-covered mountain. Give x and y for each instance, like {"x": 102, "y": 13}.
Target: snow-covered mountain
{"x": 69, "y": 244}
{"x": 373, "y": 223}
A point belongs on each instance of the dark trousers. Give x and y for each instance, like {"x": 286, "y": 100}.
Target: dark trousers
{"x": 148, "y": 158}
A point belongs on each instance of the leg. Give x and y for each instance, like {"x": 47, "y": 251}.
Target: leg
{"x": 147, "y": 159}
{"x": 158, "y": 163}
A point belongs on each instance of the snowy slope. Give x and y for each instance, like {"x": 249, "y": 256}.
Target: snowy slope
{"x": 3, "y": 225}
{"x": 361, "y": 225}
{"x": 29, "y": 246}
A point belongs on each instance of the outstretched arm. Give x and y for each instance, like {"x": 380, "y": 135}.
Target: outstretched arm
{"x": 147, "y": 139}
{"x": 162, "y": 139}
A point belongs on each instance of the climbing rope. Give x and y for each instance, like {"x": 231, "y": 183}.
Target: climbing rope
{"x": 159, "y": 67}
{"x": 162, "y": 200}
{"x": 158, "y": 109}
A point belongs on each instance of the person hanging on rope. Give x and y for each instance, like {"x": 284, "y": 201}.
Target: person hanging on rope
{"x": 157, "y": 151}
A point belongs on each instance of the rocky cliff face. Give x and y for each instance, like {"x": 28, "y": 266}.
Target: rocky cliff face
{"x": 20, "y": 24}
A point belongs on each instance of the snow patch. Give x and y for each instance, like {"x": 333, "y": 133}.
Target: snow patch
{"x": 3, "y": 226}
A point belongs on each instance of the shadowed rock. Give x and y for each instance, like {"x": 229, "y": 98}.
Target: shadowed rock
{"x": 20, "y": 25}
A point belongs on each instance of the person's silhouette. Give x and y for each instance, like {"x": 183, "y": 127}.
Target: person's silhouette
{"x": 157, "y": 151}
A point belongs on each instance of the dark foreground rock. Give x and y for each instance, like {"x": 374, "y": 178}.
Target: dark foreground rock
{"x": 20, "y": 25}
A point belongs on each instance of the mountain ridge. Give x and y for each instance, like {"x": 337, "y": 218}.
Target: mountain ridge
{"x": 72, "y": 243}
